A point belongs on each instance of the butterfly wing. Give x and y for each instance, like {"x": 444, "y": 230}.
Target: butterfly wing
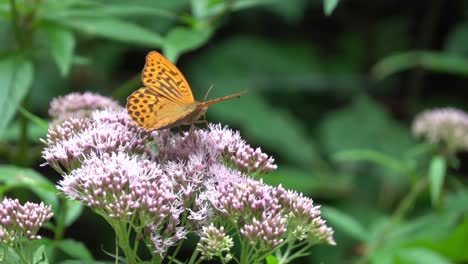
{"x": 163, "y": 78}
{"x": 227, "y": 97}
{"x": 152, "y": 111}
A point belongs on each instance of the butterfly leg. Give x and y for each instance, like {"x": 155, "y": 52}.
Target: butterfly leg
{"x": 204, "y": 121}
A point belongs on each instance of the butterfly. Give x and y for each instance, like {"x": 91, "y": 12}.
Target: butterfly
{"x": 166, "y": 100}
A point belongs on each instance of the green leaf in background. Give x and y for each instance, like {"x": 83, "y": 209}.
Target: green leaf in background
{"x": 442, "y": 62}
{"x": 420, "y": 256}
{"x": 15, "y": 177}
{"x": 246, "y": 62}
{"x": 202, "y": 9}
{"x": 75, "y": 249}
{"x": 180, "y": 40}
{"x": 457, "y": 39}
{"x": 39, "y": 256}
{"x": 35, "y": 132}
{"x": 115, "y": 29}
{"x": 345, "y": 223}
{"x": 454, "y": 245}
{"x": 448, "y": 239}
{"x": 437, "y": 170}
{"x": 329, "y": 6}
{"x": 74, "y": 210}
{"x": 16, "y": 76}
{"x": 419, "y": 231}
{"x": 62, "y": 45}
{"x": 372, "y": 156}
{"x": 269, "y": 126}
{"x": 316, "y": 182}
{"x": 113, "y": 10}
{"x": 270, "y": 259}
{"x": 365, "y": 125}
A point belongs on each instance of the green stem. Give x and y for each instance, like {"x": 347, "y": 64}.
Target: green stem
{"x": 403, "y": 208}
{"x": 60, "y": 226}
{"x": 244, "y": 253}
{"x": 123, "y": 240}
{"x": 176, "y": 251}
{"x": 16, "y": 24}
{"x": 23, "y": 153}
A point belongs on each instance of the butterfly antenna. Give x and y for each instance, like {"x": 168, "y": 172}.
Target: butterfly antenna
{"x": 208, "y": 92}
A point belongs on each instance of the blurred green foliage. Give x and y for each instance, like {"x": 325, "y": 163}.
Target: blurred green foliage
{"x": 333, "y": 87}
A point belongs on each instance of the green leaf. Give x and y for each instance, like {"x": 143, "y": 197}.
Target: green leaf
{"x": 421, "y": 228}
{"x": 270, "y": 259}
{"x": 115, "y": 29}
{"x": 285, "y": 134}
{"x": 181, "y": 39}
{"x": 329, "y": 6}
{"x": 75, "y": 249}
{"x": 114, "y": 10}
{"x": 74, "y": 210}
{"x": 429, "y": 60}
{"x": 376, "y": 131}
{"x": 15, "y": 177}
{"x": 436, "y": 178}
{"x": 16, "y": 76}
{"x": 372, "y": 156}
{"x": 62, "y": 45}
{"x": 35, "y": 131}
{"x": 420, "y": 256}
{"x": 457, "y": 39}
{"x": 454, "y": 245}
{"x": 321, "y": 183}
{"x": 345, "y": 223}
{"x": 39, "y": 256}
{"x": 205, "y": 8}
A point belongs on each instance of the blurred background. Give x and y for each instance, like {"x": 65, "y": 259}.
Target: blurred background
{"x": 333, "y": 89}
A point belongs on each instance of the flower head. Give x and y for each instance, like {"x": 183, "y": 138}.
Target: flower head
{"x": 119, "y": 185}
{"x": 213, "y": 144}
{"x": 17, "y": 221}
{"x": 106, "y": 131}
{"x": 78, "y": 105}
{"x": 448, "y": 126}
{"x": 214, "y": 242}
{"x": 305, "y": 218}
{"x": 266, "y": 215}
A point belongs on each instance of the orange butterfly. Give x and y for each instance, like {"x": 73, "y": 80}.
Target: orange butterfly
{"x": 167, "y": 100}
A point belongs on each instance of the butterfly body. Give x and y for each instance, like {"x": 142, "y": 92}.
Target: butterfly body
{"x": 166, "y": 100}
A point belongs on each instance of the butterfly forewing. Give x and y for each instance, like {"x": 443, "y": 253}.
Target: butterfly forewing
{"x": 163, "y": 77}
{"x": 153, "y": 111}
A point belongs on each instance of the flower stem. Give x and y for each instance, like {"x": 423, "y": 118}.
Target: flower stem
{"x": 124, "y": 243}
{"x": 404, "y": 206}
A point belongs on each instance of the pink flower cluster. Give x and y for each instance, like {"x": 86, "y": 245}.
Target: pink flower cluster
{"x": 106, "y": 131}
{"x": 18, "y": 221}
{"x": 448, "y": 126}
{"x": 171, "y": 184}
{"x": 79, "y": 105}
{"x": 213, "y": 144}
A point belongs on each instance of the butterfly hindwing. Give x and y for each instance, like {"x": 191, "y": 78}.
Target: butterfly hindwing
{"x": 153, "y": 111}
